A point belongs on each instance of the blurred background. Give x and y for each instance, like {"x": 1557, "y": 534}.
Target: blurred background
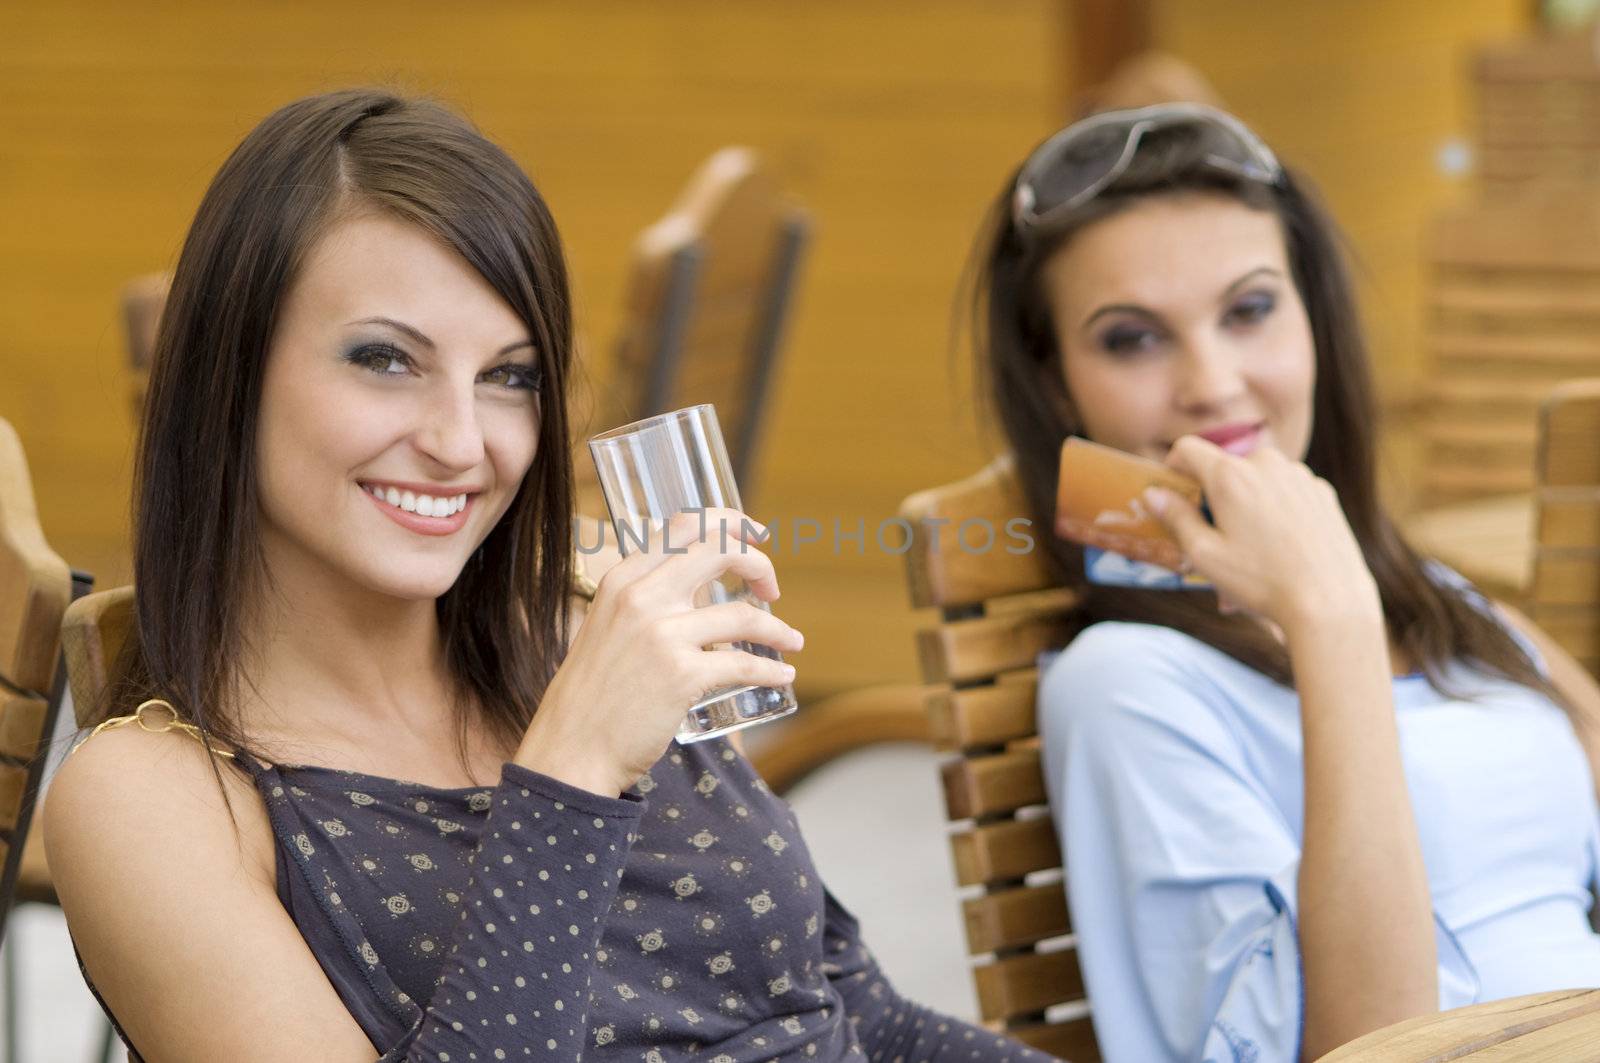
{"x": 891, "y": 125}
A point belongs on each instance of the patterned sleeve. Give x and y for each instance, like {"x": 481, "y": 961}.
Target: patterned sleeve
{"x": 890, "y": 1027}
{"x": 518, "y": 971}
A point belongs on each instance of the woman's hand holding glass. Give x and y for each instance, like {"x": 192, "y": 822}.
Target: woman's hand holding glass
{"x": 639, "y": 660}
{"x": 1279, "y": 547}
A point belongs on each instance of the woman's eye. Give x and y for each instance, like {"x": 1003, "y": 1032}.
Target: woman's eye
{"x": 1251, "y": 309}
{"x": 1128, "y": 339}
{"x": 515, "y": 377}
{"x": 382, "y": 359}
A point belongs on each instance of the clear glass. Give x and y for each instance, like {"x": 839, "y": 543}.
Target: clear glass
{"x": 652, "y": 470}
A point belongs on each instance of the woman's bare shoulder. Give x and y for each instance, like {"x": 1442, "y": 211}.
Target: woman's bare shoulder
{"x": 127, "y": 788}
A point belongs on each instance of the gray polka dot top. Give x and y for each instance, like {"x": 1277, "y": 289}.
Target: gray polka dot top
{"x": 534, "y": 920}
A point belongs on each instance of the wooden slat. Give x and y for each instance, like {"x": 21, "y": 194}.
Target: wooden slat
{"x": 1567, "y": 578}
{"x": 1072, "y": 1040}
{"x": 1028, "y": 983}
{"x": 1011, "y": 918}
{"x": 1570, "y": 440}
{"x": 1534, "y": 354}
{"x": 983, "y": 716}
{"x": 13, "y": 784}
{"x": 92, "y": 634}
{"x": 970, "y": 650}
{"x": 945, "y": 566}
{"x": 1568, "y": 518}
{"x": 21, "y": 724}
{"x": 35, "y": 584}
{"x": 987, "y": 786}
{"x": 1004, "y": 851}
{"x": 1575, "y": 628}
{"x": 1489, "y": 540}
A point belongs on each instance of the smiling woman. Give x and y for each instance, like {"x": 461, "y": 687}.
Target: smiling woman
{"x": 353, "y": 567}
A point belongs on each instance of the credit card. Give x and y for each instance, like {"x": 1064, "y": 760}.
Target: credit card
{"x": 1099, "y": 505}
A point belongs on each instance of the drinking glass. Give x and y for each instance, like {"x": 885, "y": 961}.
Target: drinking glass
{"x": 652, "y": 470}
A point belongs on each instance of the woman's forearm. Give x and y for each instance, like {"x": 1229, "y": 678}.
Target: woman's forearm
{"x": 1365, "y": 912}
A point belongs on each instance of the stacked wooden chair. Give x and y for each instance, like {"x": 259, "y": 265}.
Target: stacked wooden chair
{"x": 996, "y": 612}
{"x": 1513, "y": 310}
{"x": 1538, "y": 110}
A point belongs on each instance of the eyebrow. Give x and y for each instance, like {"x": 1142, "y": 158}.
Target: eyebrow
{"x": 1133, "y": 308}
{"x": 422, "y": 337}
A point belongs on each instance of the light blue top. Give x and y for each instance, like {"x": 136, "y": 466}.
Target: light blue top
{"x": 1175, "y": 776}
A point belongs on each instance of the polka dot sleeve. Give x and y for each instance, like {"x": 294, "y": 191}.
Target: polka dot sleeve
{"x": 891, "y": 1028}
{"x": 516, "y": 979}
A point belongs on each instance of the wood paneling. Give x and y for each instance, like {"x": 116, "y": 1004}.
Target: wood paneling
{"x": 893, "y": 126}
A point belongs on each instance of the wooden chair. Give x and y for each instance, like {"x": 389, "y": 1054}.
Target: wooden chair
{"x": 35, "y": 588}
{"x": 1541, "y": 550}
{"x": 705, "y": 307}
{"x": 142, "y": 301}
{"x": 1514, "y": 309}
{"x": 997, "y": 611}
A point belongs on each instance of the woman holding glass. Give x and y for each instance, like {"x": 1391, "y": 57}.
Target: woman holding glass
{"x": 1342, "y": 789}
{"x": 384, "y": 798}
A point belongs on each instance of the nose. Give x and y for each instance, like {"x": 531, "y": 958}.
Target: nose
{"x": 450, "y": 433}
{"x": 1209, "y": 375}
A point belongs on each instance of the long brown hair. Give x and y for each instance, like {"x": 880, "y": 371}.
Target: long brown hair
{"x": 197, "y": 561}
{"x": 1432, "y": 622}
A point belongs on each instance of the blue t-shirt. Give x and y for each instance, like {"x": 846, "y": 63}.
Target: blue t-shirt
{"x": 1175, "y": 774}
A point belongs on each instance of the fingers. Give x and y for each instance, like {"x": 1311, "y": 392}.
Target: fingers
{"x": 738, "y": 622}
{"x": 1196, "y": 457}
{"x": 729, "y": 668}
{"x": 1196, "y": 538}
{"x": 717, "y": 541}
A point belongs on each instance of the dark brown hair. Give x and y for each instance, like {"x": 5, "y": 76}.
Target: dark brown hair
{"x": 197, "y": 562}
{"x": 1432, "y": 622}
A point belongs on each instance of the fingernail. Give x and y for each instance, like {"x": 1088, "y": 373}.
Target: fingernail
{"x": 788, "y": 672}
{"x": 1156, "y": 499}
{"x": 799, "y": 639}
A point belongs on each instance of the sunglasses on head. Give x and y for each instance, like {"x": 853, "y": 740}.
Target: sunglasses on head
{"x": 1083, "y": 160}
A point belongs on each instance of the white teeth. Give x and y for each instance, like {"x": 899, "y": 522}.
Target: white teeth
{"x": 423, "y": 505}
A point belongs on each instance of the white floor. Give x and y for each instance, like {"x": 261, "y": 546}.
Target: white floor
{"x": 873, "y": 821}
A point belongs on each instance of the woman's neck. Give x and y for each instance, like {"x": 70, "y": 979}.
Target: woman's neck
{"x": 330, "y": 659}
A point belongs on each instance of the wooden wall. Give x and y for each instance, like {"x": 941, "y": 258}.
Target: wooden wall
{"x": 892, "y": 122}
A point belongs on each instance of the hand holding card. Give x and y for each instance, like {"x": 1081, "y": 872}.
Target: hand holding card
{"x": 1099, "y": 506}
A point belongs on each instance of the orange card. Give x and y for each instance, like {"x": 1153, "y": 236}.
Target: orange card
{"x": 1098, "y": 503}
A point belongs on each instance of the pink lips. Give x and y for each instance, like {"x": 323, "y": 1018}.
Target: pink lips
{"x": 1234, "y": 438}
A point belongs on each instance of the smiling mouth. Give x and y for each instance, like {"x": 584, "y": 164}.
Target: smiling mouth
{"x": 423, "y": 505}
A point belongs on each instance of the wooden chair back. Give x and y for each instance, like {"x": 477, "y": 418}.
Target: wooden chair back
{"x": 35, "y": 588}
{"x": 1565, "y": 596}
{"x": 142, "y": 301}
{"x": 92, "y": 636}
{"x": 997, "y": 611}
{"x": 709, "y": 291}
{"x": 1513, "y": 310}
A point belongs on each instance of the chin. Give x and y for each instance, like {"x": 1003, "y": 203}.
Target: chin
{"x": 428, "y": 584}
